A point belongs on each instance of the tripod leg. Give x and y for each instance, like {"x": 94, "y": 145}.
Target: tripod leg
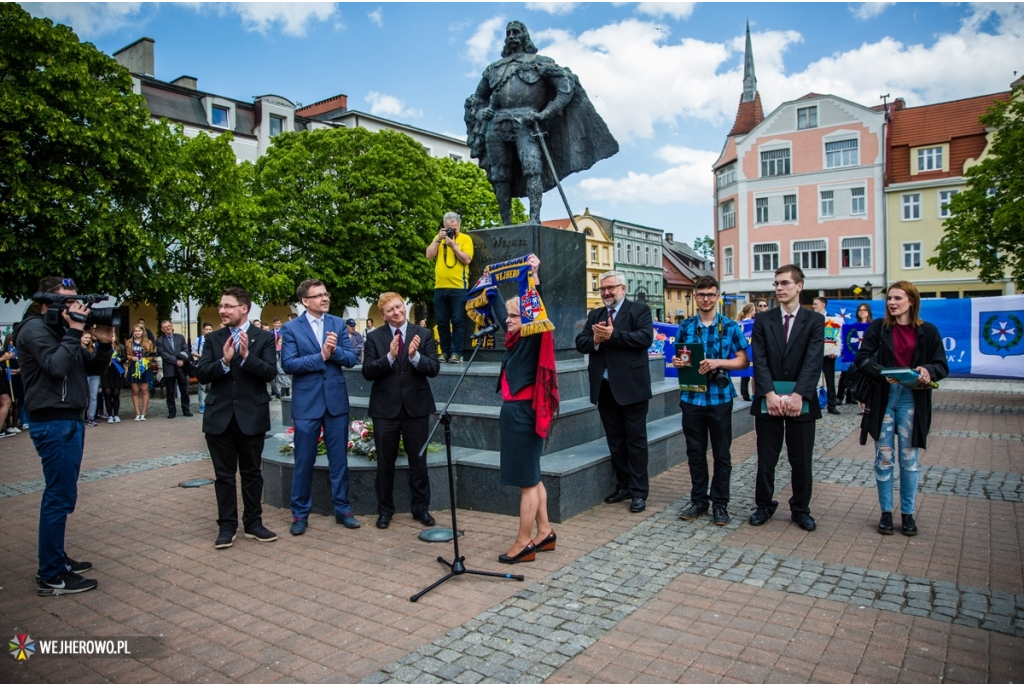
{"x": 510, "y": 576}
{"x": 423, "y": 592}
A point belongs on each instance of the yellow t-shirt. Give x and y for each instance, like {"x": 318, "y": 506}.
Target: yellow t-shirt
{"x": 449, "y": 272}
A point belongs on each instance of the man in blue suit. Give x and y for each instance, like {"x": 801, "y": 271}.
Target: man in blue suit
{"x": 314, "y": 348}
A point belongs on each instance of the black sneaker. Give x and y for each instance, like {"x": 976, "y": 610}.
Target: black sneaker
{"x": 73, "y": 566}
{"x": 67, "y": 583}
{"x": 719, "y": 515}
{"x": 909, "y": 525}
{"x": 885, "y": 523}
{"x": 692, "y": 511}
{"x": 225, "y": 539}
{"x": 259, "y": 533}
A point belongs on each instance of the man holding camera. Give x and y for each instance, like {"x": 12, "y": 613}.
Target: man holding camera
{"x": 55, "y": 366}
{"x": 453, "y": 251}
{"x": 172, "y": 348}
{"x": 710, "y": 412}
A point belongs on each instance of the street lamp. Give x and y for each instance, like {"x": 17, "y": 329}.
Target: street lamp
{"x": 867, "y": 287}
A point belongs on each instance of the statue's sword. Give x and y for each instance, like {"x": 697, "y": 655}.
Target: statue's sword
{"x": 551, "y": 165}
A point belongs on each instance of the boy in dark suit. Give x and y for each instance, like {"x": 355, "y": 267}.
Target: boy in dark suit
{"x": 237, "y": 362}
{"x": 788, "y": 344}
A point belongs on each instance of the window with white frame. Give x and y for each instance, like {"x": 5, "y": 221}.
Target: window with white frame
{"x": 810, "y": 254}
{"x": 647, "y": 256}
{"x": 618, "y": 252}
{"x": 929, "y": 159}
{"x": 911, "y": 206}
{"x": 828, "y": 203}
{"x": 629, "y": 253}
{"x": 789, "y": 204}
{"x": 841, "y": 153}
{"x": 276, "y": 125}
{"x": 220, "y": 116}
{"x": 593, "y": 283}
{"x": 727, "y": 261}
{"x": 775, "y": 162}
{"x": 727, "y": 176}
{"x": 766, "y": 257}
{"x": 657, "y": 257}
{"x": 944, "y": 197}
{"x": 454, "y": 157}
{"x": 911, "y": 255}
{"x": 857, "y": 201}
{"x": 593, "y": 253}
{"x": 728, "y": 219}
{"x": 807, "y": 117}
{"x": 761, "y": 204}
{"x": 856, "y": 252}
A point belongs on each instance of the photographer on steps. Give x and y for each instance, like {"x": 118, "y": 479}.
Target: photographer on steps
{"x": 55, "y": 366}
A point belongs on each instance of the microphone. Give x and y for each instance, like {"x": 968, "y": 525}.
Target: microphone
{"x": 484, "y": 332}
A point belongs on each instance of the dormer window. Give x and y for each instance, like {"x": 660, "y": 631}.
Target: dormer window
{"x": 276, "y": 125}
{"x": 220, "y": 117}
{"x": 807, "y": 117}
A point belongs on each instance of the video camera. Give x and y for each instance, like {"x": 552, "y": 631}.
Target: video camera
{"x": 104, "y": 316}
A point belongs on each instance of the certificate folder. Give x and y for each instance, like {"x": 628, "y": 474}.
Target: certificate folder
{"x": 784, "y": 388}
{"x": 690, "y": 380}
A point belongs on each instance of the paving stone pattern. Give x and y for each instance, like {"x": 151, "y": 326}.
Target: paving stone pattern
{"x": 991, "y": 485}
{"x": 24, "y": 487}
{"x": 976, "y": 408}
{"x": 1012, "y": 437}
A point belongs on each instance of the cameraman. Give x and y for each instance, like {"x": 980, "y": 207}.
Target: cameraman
{"x": 710, "y": 411}
{"x": 54, "y": 366}
{"x": 453, "y": 251}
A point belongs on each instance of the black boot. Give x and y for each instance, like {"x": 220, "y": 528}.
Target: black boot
{"x": 885, "y": 524}
{"x": 909, "y": 525}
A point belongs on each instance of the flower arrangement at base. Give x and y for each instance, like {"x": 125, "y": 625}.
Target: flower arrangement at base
{"x": 321, "y": 446}
{"x": 360, "y": 439}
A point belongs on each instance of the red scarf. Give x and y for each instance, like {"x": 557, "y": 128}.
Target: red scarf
{"x": 545, "y": 387}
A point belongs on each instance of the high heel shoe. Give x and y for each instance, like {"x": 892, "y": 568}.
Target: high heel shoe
{"x": 528, "y": 553}
{"x": 548, "y": 543}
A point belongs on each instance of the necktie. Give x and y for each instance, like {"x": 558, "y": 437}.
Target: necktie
{"x": 611, "y": 314}
{"x": 785, "y": 325}
{"x": 401, "y": 344}
{"x": 235, "y": 333}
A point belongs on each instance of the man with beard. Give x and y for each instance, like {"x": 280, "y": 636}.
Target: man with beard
{"x": 523, "y": 96}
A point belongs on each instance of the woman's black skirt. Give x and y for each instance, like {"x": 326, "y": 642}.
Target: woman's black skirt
{"x": 520, "y": 445}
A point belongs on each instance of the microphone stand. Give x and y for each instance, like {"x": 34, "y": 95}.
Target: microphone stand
{"x": 456, "y": 567}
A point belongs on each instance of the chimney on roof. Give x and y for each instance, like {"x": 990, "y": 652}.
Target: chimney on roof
{"x": 190, "y": 82}
{"x": 586, "y": 211}
{"x": 137, "y": 57}
{"x": 668, "y": 238}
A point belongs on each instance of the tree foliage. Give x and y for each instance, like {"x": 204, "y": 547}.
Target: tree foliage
{"x": 350, "y": 207}
{"x": 199, "y": 226}
{"x": 75, "y": 160}
{"x": 466, "y": 191}
{"x": 987, "y": 222}
{"x": 704, "y": 246}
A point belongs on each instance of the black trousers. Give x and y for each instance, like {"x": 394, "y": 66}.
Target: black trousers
{"x": 799, "y": 437}
{"x": 828, "y": 367}
{"x": 698, "y": 424}
{"x": 626, "y": 429}
{"x": 412, "y": 431}
{"x": 230, "y": 451}
{"x": 180, "y": 380}
{"x": 745, "y": 388}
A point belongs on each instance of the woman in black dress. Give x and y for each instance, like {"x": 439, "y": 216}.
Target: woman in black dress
{"x": 527, "y": 383}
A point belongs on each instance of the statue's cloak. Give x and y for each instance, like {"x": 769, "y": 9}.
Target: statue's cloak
{"x": 577, "y": 139}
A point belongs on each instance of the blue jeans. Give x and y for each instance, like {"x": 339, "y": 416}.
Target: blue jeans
{"x": 307, "y": 434}
{"x": 899, "y": 417}
{"x": 450, "y": 309}
{"x": 60, "y": 445}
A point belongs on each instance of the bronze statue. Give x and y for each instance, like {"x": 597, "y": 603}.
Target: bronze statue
{"x": 531, "y": 124}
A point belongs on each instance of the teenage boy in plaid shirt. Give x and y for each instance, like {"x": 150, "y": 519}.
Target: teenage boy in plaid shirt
{"x": 710, "y": 412}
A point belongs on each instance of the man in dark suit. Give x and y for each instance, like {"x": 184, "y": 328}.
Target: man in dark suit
{"x": 617, "y": 337}
{"x": 789, "y": 344}
{"x": 170, "y": 346}
{"x": 314, "y": 349}
{"x": 399, "y": 358}
{"x": 237, "y": 361}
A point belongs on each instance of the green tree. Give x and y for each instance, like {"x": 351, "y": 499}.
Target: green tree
{"x": 76, "y": 161}
{"x": 704, "y": 246}
{"x": 350, "y": 207}
{"x": 987, "y": 223}
{"x": 199, "y": 225}
{"x": 466, "y": 191}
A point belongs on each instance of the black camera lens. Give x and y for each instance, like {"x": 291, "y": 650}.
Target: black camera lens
{"x": 105, "y": 316}
{"x": 450, "y": 232}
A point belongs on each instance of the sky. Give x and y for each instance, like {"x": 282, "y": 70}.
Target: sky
{"x": 666, "y": 77}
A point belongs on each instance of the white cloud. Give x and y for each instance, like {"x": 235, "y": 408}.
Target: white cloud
{"x": 88, "y": 19}
{"x": 676, "y": 10}
{"x": 390, "y": 106}
{"x": 870, "y": 10}
{"x": 552, "y": 7}
{"x": 377, "y": 16}
{"x": 292, "y": 17}
{"x": 689, "y": 181}
{"x": 485, "y": 44}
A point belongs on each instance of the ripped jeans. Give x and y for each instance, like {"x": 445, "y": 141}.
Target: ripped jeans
{"x": 899, "y": 417}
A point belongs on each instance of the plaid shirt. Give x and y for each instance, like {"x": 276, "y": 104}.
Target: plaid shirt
{"x": 716, "y": 346}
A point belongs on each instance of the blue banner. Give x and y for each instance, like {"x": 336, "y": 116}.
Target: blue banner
{"x": 664, "y": 343}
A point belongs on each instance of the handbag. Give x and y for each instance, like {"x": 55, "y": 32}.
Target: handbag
{"x": 861, "y": 384}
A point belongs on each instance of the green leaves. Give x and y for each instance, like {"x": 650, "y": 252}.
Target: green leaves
{"x": 988, "y": 217}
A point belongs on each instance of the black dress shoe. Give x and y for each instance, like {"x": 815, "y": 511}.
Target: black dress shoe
{"x": 637, "y": 505}
{"x": 617, "y": 496}
{"x": 383, "y": 521}
{"x": 885, "y": 523}
{"x": 528, "y": 553}
{"x": 760, "y": 516}
{"x": 347, "y": 520}
{"x": 805, "y": 522}
{"x": 425, "y": 518}
{"x": 833, "y": 410}
{"x": 186, "y": 412}
{"x": 909, "y": 525}
{"x": 171, "y": 416}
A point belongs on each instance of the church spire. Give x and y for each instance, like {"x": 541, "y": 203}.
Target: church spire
{"x": 749, "y": 79}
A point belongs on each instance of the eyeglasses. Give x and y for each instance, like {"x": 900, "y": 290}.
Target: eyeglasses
{"x": 228, "y": 306}
{"x": 317, "y": 296}
{"x": 783, "y": 284}
{"x": 610, "y": 288}
{"x": 706, "y": 296}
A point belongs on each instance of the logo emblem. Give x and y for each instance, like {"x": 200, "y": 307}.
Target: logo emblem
{"x": 1002, "y": 333}
{"x": 22, "y": 647}
{"x": 530, "y": 305}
